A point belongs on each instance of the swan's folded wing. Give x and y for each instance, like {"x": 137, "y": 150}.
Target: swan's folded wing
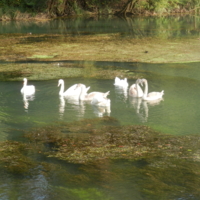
{"x": 73, "y": 90}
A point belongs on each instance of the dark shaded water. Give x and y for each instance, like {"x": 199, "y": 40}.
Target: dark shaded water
{"x": 177, "y": 114}
{"x": 163, "y": 27}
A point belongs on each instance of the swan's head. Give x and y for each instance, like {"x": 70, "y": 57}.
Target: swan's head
{"x": 25, "y": 81}
{"x": 140, "y": 81}
{"x": 60, "y": 82}
{"x": 144, "y": 80}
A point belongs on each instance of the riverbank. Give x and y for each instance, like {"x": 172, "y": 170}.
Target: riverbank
{"x": 37, "y": 10}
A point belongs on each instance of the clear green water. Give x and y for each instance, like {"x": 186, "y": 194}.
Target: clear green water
{"x": 177, "y": 114}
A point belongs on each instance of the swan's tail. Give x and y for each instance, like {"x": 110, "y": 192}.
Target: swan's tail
{"x": 117, "y": 80}
{"x": 162, "y": 92}
{"x": 106, "y": 94}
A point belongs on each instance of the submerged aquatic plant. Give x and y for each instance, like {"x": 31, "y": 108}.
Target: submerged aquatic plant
{"x": 13, "y": 158}
{"x": 95, "y": 139}
{"x": 104, "y": 154}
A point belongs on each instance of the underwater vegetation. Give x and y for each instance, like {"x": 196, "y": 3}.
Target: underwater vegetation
{"x": 89, "y": 140}
{"x": 13, "y": 158}
{"x": 109, "y": 159}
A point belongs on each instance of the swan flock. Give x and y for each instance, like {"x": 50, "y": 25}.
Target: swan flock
{"x": 80, "y": 91}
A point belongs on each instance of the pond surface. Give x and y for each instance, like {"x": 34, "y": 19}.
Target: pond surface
{"x": 177, "y": 113}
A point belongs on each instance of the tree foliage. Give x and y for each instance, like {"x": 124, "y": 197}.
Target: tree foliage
{"x": 57, "y": 8}
{"x": 158, "y": 6}
{"x": 25, "y": 5}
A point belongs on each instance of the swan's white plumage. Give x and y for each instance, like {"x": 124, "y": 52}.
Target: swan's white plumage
{"x": 88, "y": 97}
{"x": 152, "y": 95}
{"x": 101, "y": 105}
{"x": 135, "y": 90}
{"x": 121, "y": 82}
{"x": 71, "y": 91}
{"x": 100, "y": 100}
{"x": 27, "y": 89}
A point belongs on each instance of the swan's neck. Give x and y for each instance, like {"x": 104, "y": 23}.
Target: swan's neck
{"x": 137, "y": 89}
{"x": 61, "y": 89}
{"x": 82, "y": 95}
{"x": 25, "y": 83}
{"x": 146, "y": 89}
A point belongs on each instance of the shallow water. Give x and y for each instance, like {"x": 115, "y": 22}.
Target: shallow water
{"x": 177, "y": 114}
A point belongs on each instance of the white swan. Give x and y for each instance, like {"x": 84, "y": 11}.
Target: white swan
{"x": 27, "y": 89}
{"x": 88, "y": 97}
{"x": 71, "y": 91}
{"x": 152, "y": 95}
{"x": 101, "y": 105}
{"x": 135, "y": 89}
{"x": 121, "y": 82}
{"x": 100, "y": 100}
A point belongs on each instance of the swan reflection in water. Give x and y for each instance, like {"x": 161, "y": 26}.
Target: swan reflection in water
{"x": 26, "y": 99}
{"x": 74, "y": 103}
{"x": 100, "y": 111}
{"x": 142, "y": 107}
{"x": 80, "y": 107}
{"x": 121, "y": 92}
{"x": 62, "y": 106}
